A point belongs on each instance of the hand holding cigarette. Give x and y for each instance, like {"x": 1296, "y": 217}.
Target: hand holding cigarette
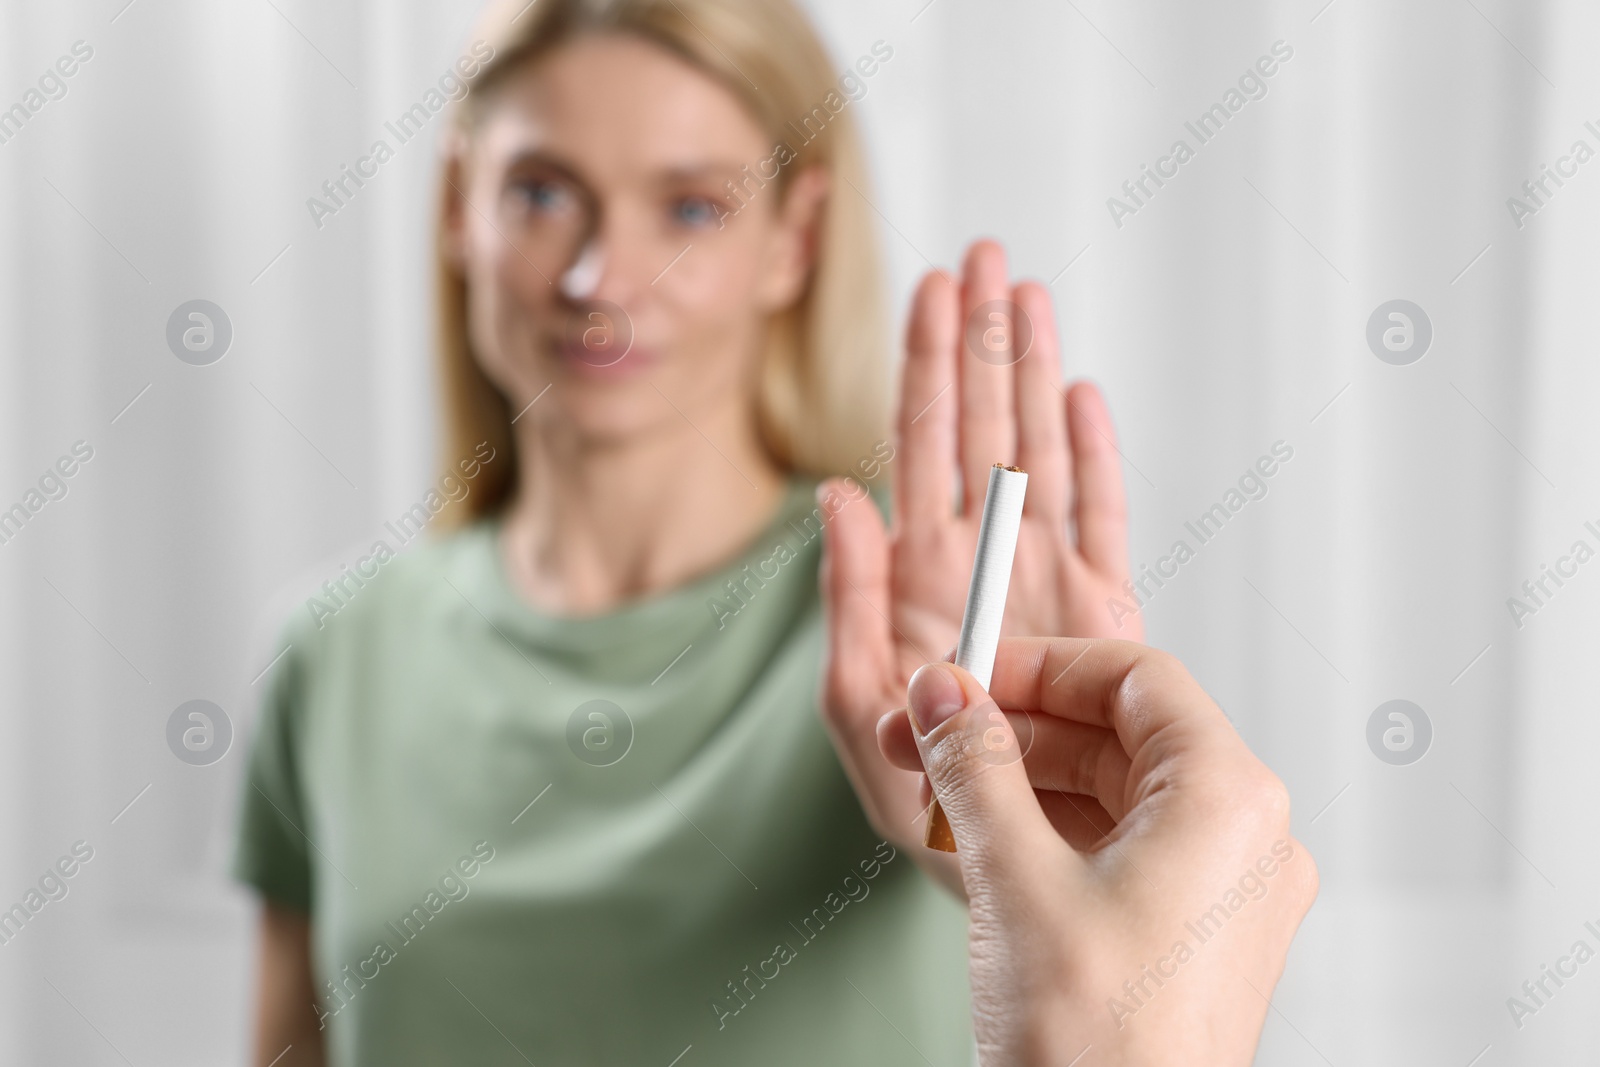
{"x": 1132, "y": 882}
{"x": 981, "y": 384}
{"x": 986, "y": 603}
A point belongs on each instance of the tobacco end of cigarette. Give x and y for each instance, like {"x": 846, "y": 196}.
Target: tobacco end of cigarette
{"x": 1007, "y": 467}
{"x": 937, "y": 833}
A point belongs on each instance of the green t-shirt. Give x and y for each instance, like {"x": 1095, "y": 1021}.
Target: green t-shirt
{"x": 597, "y": 840}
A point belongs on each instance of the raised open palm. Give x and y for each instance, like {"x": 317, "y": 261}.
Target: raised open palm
{"x": 894, "y": 597}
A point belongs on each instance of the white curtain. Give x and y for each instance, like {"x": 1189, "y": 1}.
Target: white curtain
{"x": 1224, "y": 310}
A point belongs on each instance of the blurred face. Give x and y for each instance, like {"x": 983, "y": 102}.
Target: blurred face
{"x": 602, "y": 248}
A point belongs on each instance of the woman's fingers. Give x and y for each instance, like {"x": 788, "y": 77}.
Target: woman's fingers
{"x": 981, "y": 384}
{"x": 1101, "y": 506}
{"x": 854, "y": 580}
{"x": 988, "y": 422}
{"x": 1041, "y": 418}
{"x": 861, "y": 674}
{"x": 924, "y": 476}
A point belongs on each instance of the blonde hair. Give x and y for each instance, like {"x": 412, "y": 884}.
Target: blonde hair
{"x": 822, "y": 381}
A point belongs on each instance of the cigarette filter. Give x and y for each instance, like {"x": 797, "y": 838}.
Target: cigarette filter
{"x": 986, "y": 603}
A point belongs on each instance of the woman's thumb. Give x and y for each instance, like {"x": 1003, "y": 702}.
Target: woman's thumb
{"x": 973, "y": 760}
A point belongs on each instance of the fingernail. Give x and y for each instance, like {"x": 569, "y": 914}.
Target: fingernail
{"x": 934, "y": 695}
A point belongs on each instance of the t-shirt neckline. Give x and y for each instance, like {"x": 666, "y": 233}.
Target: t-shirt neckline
{"x": 498, "y": 599}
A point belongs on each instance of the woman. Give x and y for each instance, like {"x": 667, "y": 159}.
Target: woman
{"x": 553, "y": 789}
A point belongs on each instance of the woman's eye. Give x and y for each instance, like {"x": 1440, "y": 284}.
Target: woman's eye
{"x": 696, "y": 212}
{"x": 546, "y": 197}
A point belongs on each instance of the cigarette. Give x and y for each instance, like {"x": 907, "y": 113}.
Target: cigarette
{"x": 986, "y": 603}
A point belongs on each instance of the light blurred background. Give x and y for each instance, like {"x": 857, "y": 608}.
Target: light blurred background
{"x": 1230, "y": 312}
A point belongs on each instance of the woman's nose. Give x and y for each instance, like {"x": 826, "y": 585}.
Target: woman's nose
{"x": 614, "y": 262}
{"x": 580, "y": 280}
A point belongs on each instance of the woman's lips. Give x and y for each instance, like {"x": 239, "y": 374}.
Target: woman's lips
{"x": 604, "y": 361}
{"x": 598, "y": 342}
